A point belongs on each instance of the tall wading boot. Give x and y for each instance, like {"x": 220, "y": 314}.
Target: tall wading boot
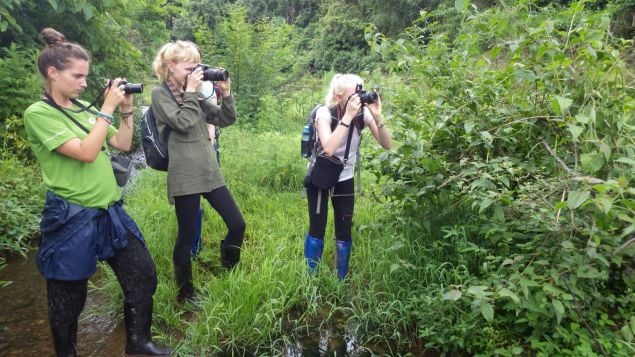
{"x": 313, "y": 248}
{"x": 343, "y": 249}
{"x": 183, "y": 276}
{"x": 138, "y": 320}
{"x": 229, "y": 255}
{"x": 64, "y": 339}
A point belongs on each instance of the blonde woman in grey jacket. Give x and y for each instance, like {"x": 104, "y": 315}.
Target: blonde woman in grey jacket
{"x": 193, "y": 170}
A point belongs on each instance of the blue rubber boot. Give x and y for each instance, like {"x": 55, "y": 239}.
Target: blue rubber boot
{"x": 343, "y": 249}
{"x": 313, "y": 248}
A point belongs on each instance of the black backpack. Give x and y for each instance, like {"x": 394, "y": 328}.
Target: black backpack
{"x": 154, "y": 146}
{"x": 309, "y": 135}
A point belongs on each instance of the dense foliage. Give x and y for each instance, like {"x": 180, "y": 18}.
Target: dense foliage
{"x": 509, "y": 200}
{"x": 516, "y": 172}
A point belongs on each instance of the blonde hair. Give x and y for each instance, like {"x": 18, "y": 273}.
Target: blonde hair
{"x": 339, "y": 84}
{"x": 178, "y": 51}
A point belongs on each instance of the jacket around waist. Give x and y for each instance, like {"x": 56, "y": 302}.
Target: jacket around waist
{"x": 73, "y": 237}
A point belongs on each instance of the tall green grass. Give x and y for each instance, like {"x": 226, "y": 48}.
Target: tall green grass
{"x": 258, "y": 306}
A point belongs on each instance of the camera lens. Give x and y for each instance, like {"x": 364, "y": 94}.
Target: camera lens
{"x": 215, "y": 74}
{"x": 368, "y": 97}
{"x": 132, "y": 88}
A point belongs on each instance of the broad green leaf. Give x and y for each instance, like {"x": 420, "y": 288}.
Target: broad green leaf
{"x": 479, "y": 292}
{"x": 575, "y": 131}
{"x": 504, "y": 292}
{"x": 604, "y": 203}
{"x": 53, "y": 4}
{"x": 468, "y": 126}
{"x": 453, "y": 295}
{"x": 487, "y": 310}
{"x": 582, "y": 118}
{"x": 567, "y": 245}
{"x": 487, "y": 137}
{"x": 558, "y": 308}
{"x": 627, "y": 333}
{"x": 592, "y": 161}
{"x": 394, "y": 267}
{"x": 461, "y": 5}
{"x": 484, "y": 204}
{"x": 626, "y": 160}
{"x": 88, "y": 11}
{"x": 483, "y": 183}
{"x": 605, "y": 150}
{"x": 552, "y": 290}
{"x": 525, "y": 74}
{"x": 577, "y": 198}
{"x": 563, "y": 104}
{"x": 587, "y": 272}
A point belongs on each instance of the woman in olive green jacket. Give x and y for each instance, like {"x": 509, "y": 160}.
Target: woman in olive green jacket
{"x": 193, "y": 170}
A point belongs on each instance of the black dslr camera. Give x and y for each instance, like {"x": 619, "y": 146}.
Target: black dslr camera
{"x": 366, "y": 97}
{"x": 129, "y": 88}
{"x": 212, "y": 74}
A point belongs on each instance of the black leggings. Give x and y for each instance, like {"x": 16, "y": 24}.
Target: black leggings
{"x": 343, "y": 200}
{"x": 187, "y": 212}
{"x": 135, "y": 272}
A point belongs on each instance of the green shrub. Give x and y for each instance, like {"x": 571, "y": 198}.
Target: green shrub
{"x": 517, "y": 164}
{"x": 21, "y": 200}
{"x": 19, "y": 87}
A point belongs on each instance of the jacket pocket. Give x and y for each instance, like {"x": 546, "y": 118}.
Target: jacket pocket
{"x": 69, "y": 257}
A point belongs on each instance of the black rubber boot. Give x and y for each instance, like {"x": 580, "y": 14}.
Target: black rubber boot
{"x": 184, "y": 281}
{"x": 64, "y": 339}
{"x": 138, "y": 320}
{"x": 229, "y": 255}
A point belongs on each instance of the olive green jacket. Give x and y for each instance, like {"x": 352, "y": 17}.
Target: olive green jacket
{"x": 193, "y": 167}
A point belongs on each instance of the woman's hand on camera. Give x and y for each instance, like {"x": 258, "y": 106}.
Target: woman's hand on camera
{"x": 352, "y": 108}
{"x": 225, "y": 86}
{"x": 114, "y": 96}
{"x": 194, "y": 80}
{"x": 126, "y": 104}
{"x": 375, "y": 108}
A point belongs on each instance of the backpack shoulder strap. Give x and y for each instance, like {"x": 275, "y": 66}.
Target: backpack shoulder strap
{"x": 334, "y": 117}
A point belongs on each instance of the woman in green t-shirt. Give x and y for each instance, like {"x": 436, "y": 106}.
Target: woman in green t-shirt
{"x": 83, "y": 219}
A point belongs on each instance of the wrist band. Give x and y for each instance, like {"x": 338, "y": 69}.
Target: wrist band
{"x": 381, "y": 126}
{"x": 105, "y": 116}
{"x": 125, "y": 114}
{"x": 344, "y": 125}
{"x": 108, "y": 120}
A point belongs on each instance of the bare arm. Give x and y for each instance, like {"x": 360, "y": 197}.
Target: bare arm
{"x": 331, "y": 140}
{"x": 122, "y": 141}
{"x": 87, "y": 149}
{"x": 377, "y": 125}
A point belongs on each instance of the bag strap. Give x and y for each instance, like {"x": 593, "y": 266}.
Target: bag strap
{"x": 350, "y": 134}
{"x": 52, "y": 103}
{"x": 165, "y": 86}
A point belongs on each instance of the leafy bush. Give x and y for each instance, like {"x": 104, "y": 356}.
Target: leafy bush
{"x": 21, "y": 200}
{"x": 517, "y": 138}
{"x": 19, "y": 87}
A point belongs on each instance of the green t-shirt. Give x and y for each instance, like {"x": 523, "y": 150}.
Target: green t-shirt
{"x": 90, "y": 185}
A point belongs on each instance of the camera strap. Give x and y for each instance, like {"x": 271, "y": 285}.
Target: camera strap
{"x": 49, "y": 100}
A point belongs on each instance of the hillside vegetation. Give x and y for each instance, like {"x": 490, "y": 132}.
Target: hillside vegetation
{"x": 503, "y": 223}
